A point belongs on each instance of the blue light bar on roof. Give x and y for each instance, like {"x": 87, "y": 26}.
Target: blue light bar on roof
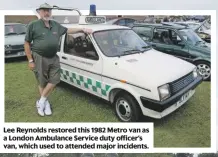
{"x": 92, "y": 10}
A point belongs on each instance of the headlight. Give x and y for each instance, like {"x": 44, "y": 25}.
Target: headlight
{"x": 195, "y": 73}
{"x": 164, "y": 92}
{"x": 208, "y": 36}
{"x": 204, "y": 36}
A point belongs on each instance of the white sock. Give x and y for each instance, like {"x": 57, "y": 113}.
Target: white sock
{"x": 42, "y": 100}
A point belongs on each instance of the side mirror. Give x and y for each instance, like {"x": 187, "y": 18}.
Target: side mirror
{"x": 92, "y": 55}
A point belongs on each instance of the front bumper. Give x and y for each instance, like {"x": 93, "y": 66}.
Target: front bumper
{"x": 208, "y": 40}
{"x": 162, "y": 106}
{"x": 16, "y": 54}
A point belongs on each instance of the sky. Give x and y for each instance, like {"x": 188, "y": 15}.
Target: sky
{"x": 117, "y": 5}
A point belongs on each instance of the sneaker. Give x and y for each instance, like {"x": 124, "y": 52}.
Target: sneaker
{"x": 40, "y": 108}
{"x": 48, "y": 111}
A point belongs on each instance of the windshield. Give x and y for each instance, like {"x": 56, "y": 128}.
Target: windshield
{"x": 15, "y": 29}
{"x": 205, "y": 26}
{"x": 119, "y": 42}
{"x": 190, "y": 36}
{"x": 193, "y": 26}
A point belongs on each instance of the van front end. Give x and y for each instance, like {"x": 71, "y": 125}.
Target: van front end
{"x": 180, "y": 91}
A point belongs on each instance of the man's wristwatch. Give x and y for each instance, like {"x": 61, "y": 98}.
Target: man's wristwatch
{"x": 30, "y": 61}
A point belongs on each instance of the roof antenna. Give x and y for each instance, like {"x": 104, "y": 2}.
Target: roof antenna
{"x": 68, "y": 9}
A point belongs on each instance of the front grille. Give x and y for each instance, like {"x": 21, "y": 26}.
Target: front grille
{"x": 17, "y": 47}
{"x": 14, "y": 49}
{"x": 181, "y": 83}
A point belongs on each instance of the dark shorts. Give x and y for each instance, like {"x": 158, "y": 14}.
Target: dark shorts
{"x": 47, "y": 70}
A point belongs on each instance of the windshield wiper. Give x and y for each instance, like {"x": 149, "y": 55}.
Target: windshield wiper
{"x": 12, "y": 33}
{"x": 132, "y": 50}
{"x": 145, "y": 47}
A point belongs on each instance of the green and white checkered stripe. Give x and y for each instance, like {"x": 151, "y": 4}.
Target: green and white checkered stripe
{"x": 85, "y": 82}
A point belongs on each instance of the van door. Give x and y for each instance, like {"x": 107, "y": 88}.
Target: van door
{"x": 169, "y": 42}
{"x": 158, "y": 43}
{"x": 179, "y": 46}
{"x": 67, "y": 62}
{"x": 81, "y": 64}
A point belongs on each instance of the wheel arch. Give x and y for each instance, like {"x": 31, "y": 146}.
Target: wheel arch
{"x": 201, "y": 60}
{"x": 117, "y": 90}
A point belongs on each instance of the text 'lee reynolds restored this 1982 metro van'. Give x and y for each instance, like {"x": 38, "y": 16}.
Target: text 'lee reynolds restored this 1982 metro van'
{"x": 114, "y": 63}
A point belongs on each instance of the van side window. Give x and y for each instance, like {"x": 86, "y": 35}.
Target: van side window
{"x": 175, "y": 37}
{"x": 143, "y": 32}
{"x": 121, "y": 22}
{"x": 59, "y": 44}
{"x": 79, "y": 44}
{"x": 162, "y": 36}
{"x": 166, "y": 36}
{"x": 129, "y": 22}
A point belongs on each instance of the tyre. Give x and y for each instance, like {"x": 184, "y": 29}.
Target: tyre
{"x": 204, "y": 70}
{"x": 127, "y": 108}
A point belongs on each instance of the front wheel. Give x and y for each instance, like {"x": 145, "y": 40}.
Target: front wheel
{"x": 126, "y": 108}
{"x": 204, "y": 70}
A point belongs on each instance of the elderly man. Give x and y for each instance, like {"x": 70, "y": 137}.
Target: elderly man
{"x": 45, "y": 35}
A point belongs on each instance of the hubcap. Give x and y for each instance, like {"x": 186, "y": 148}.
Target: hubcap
{"x": 204, "y": 70}
{"x": 123, "y": 110}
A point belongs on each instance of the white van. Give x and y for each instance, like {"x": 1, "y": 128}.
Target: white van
{"x": 115, "y": 64}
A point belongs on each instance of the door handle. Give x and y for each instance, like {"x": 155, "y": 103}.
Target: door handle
{"x": 64, "y": 57}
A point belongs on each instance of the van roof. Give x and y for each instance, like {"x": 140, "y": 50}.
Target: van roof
{"x": 96, "y": 27}
{"x": 166, "y": 25}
